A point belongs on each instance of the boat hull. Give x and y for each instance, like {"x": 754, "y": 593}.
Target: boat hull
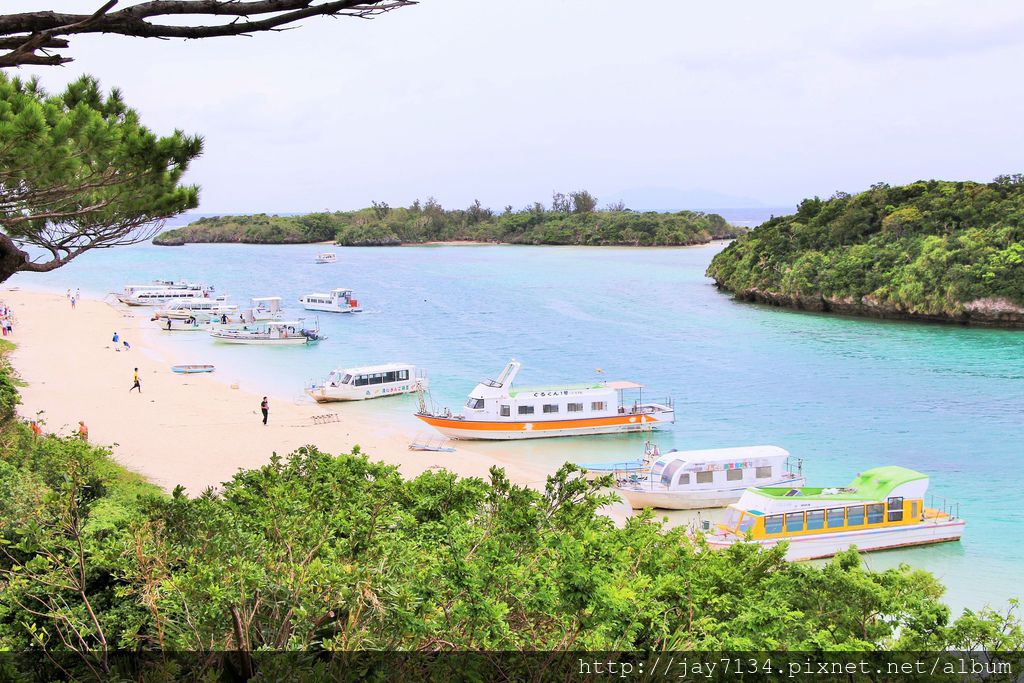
{"x": 331, "y": 309}
{"x": 191, "y": 369}
{"x": 638, "y": 498}
{"x": 336, "y": 394}
{"x": 504, "y": 431}
{"x": 285, "y": 341}
{"x": 817, "y": 546}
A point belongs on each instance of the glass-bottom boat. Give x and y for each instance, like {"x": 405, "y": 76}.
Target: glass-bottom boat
{"x": 882, "y": 508}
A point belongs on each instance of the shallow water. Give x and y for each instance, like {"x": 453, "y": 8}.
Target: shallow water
{"x": 843, "y": 394}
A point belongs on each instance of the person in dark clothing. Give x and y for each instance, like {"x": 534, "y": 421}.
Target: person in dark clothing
{"x": 265, "y": 409}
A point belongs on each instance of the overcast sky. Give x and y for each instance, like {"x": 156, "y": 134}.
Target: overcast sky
{"x": 706, "y": 104}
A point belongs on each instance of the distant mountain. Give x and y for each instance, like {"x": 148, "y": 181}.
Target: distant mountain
{"x": 674, "y": 199}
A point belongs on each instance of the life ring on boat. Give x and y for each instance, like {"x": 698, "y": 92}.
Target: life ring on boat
{"x": 291, "y": 329}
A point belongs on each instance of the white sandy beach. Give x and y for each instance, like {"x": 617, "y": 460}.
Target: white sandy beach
{"x": 193, "y": 430}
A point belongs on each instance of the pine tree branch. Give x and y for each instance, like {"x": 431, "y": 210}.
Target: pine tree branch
{"x": 26, "y": 33}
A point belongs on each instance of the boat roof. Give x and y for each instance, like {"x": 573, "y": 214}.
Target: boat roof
{"x": 875, "y": 485}
{"x": 266, "y": 298}
{"x": 714, "y": 455}
{"x": 367, "y": 369}
{"x": 622, "y": 384}
{"x": 555, "y": 387}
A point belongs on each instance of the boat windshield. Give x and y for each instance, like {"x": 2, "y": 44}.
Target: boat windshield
{"x": 347, "y": 379}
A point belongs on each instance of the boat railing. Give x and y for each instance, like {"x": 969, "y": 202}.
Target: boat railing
{"x": 799, "y": 469}
{"x": 947, "y": 508}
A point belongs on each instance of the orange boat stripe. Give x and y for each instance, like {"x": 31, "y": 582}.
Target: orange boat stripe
{"x": 538, "y": 426}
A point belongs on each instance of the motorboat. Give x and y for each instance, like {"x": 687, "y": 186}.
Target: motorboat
{"x": 268, "y": 332}
{"x": 498, "y": 410}
{"x": 707, "y": 478}
{"x": 370, "y": 381}
{"x": 881, "y": 508}
{"x": 336, "y": 301}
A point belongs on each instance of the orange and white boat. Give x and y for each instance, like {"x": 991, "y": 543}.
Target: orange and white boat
{"x": 497, "y": 410}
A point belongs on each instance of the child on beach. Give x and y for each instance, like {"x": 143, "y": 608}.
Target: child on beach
{"x": 83, "y": 431}
{"x": 127, "y": 346}
{"x": 136, "y": 385}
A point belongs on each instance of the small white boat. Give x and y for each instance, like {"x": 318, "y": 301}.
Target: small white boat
{"x": 326, "y": 257}
{"x": 370, "y": 381}
{"x": 708, "y": 478}
{"x": 497, "y": 410}
{"x": 191, "y": 369}
{"x": 432, "y": 445}
{"x": 196, "y": 307}
{"x": 269, "y": 333}
{"x": 336, "y": 301}
{"x": 639, "y": 468}
{"x": 881, "y": 508}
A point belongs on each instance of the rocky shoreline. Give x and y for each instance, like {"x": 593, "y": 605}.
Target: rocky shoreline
{"x": 989, "y": 312}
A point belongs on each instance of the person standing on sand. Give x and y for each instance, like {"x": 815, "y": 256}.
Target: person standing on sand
{"x": 78, "y": 293}
{"x": 37, "y": 431}
{"x": 72, "y": 302}
{"x": 136, "y": 385}
{"x": 83, "y": 431}
{"x": 265, "y": 409}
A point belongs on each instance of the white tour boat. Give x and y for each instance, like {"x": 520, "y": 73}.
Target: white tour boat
{"x": 264, "y": 308}
{"x": 371, "y": 381}
{"x": 708, "y": 478}
{"x": 195, "y": 307}
{"x": 326, "y": 257}
{"x": 497, "y": 410}
{"x": 881, "y": 508}
{"x": 146, "y": 296}
{"x": 336, "y": 301}
{"x": 267, "y": 332}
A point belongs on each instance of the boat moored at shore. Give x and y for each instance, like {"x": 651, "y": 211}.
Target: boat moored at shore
{"x": 371, "y": 381}
{"x": 881, "y": 508}
{"x": 707, "y": 478}
{"x": 336, "y": 301}
{"x": 498, "y": 411}
{"x": 152, "y": 295}
{"x": 268, "y": 333}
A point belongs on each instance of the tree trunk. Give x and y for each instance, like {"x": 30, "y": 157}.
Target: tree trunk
{"x": 12, "y": 259}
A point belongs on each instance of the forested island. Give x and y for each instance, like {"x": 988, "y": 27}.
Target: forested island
{"x": 571, "y": 219}
{"x": 931, "y": 250}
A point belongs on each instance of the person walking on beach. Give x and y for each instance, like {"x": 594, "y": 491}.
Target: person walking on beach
{"x": 265, "y": 409}
{"x": 72, "y": 302}
{"x": 136, "y": 385}
{"x": 37, "y": 431}
{"x": 116, "y": 338}
{"x": 127, "y": 346}
{"x": 83, "y": 431}
{"x": 78, "y": 293}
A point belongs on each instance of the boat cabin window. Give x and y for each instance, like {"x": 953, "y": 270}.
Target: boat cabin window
{"x": 734, "y": 475}
{"x": 815, "y": 519}
{"x": 403, "y": 375}
{"x": 836, "y": 517}
{"x": 505, "y": 411}
{"x": 913, "y": 509}
{"x": 876, "y": 513}
{"x": 747, "y": 522}
{"x": 763, "y": 472}
{"x": 362, "y": 381}
{"x": 794, "y": 521}
{"x": 475, "y": 403}
{"x": 550, "y": 408}
{"x": 684, "y": 479}
{"x": 896, "y": 509}
{"x": 855, "y": 515}
{"x": 705, "y": 477}
{"x": 597, "y": 405}
{"x": 347, "y": 379}
{"x": 526, "y": 410}
{"x": 773, "y": 524}
{"x": 575, "y": 408}
{"x": 669, "y": 472}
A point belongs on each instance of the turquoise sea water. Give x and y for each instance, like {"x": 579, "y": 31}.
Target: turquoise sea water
{"x": 843, "y": 394}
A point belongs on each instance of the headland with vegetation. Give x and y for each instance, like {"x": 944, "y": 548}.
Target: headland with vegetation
{"x": 931, "y": 250}
{"x": 572, "y": 219}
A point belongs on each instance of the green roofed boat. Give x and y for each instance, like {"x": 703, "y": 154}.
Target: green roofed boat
{"x": 881, "y": 508}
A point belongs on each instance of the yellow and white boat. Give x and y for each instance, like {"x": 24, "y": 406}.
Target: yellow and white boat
{"x": 495, "y": 410}
{"x": 882, "y": 508}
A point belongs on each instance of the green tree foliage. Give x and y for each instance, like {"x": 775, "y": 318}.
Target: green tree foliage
{"x": 573, "y": 219}
{"x": 926, "y": 249}
{"x": 78, "y": 171}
